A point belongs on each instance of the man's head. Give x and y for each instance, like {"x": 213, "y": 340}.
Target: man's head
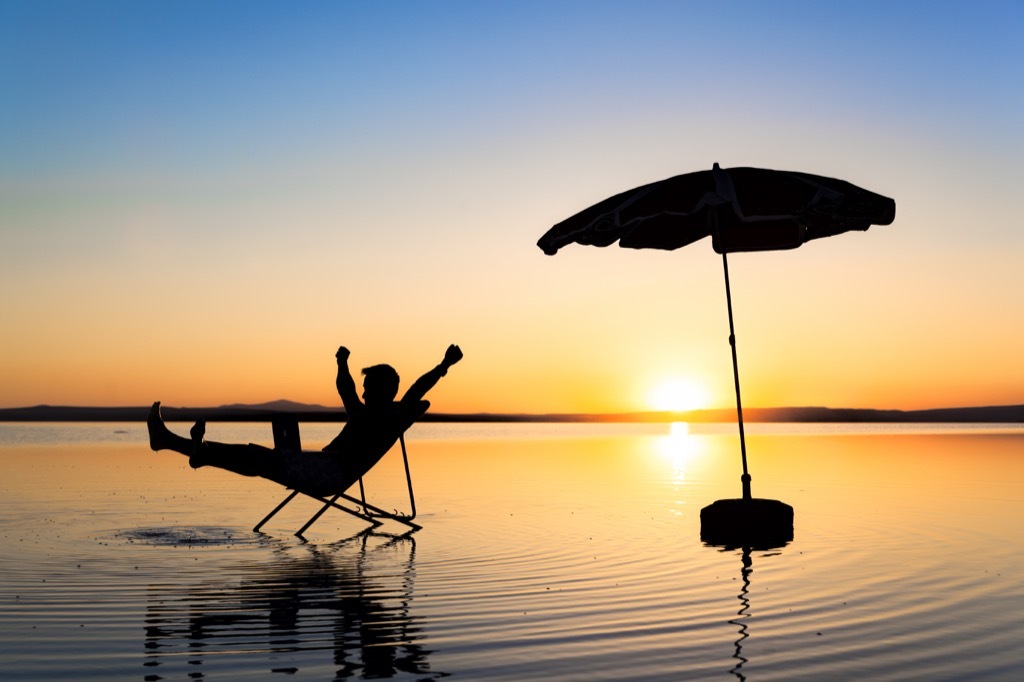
{"x": 380, "y": 384}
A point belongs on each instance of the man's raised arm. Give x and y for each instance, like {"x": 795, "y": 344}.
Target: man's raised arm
{"x": 429, "y": 379}
{"x": 346, "y": 386}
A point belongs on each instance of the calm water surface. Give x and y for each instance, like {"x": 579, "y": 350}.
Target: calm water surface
{"x": 549, "y": 552}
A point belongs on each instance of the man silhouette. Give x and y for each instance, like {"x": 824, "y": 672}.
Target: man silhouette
{"x": 372, "y": 426}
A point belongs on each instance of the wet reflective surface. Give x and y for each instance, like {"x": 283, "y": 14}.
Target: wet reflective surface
{"x": 548, "y": 552}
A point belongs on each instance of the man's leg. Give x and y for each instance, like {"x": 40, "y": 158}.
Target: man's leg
{"x": 247, "y": 460}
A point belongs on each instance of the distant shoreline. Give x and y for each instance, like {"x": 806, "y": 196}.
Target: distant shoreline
{"x": 1006, "y": 414}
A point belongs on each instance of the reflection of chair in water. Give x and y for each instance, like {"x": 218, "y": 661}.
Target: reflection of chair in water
{"x": 285, "y": 614}
{"x": 286, "y": 438}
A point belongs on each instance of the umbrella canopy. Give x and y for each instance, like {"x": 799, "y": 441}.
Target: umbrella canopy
{"x": 741, "y": 209}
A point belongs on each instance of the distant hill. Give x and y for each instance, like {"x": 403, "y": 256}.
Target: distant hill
{"x": 279, "y": 406}
{"x": 1004, "y": 414}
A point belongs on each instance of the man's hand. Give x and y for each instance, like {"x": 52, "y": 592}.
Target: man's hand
{"x": 342, "y": 354}
{"x": 451, "y": 356}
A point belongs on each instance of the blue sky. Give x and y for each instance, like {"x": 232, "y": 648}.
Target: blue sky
{"x": 348, "y": 155}
{"x": 213, "y": 78}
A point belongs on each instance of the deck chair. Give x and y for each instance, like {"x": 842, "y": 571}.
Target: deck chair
{"x": 286, "y": 437}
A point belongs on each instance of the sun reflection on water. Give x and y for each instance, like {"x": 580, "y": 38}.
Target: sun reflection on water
{"x": 679, "y": 448}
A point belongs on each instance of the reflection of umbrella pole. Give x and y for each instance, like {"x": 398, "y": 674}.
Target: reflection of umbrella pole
{"x": 745, "y": 478}
{"x": 744, "y": 597}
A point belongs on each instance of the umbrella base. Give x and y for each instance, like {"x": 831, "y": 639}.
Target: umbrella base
{"x": 753, "y": 523}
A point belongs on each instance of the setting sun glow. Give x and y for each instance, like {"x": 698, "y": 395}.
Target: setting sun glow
{"x": 678, "y": 395}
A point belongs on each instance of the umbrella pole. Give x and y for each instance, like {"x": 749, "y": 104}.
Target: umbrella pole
{"x": 745, "y": 478}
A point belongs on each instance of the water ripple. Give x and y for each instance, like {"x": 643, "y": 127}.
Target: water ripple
{"x": 171, "y": 536}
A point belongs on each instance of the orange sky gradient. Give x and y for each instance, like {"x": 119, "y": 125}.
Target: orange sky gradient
{"x": 205, "y": 226}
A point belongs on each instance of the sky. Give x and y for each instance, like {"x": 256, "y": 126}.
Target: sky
{"x": 199, "y": 202}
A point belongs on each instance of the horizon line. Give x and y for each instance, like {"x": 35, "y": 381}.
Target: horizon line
{"x": 319, "y": 413}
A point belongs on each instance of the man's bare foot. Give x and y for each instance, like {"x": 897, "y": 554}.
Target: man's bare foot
{"x": 198, "y": 431}
{"x": 160, "y": 437}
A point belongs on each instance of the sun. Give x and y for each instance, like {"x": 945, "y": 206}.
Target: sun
{"x": 677, "y": 395}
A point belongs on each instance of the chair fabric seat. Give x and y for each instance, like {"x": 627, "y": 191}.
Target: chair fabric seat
{"x": 317, "y": 473}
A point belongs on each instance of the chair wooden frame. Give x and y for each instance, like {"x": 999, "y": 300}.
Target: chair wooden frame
{"x": 286, "y": 432}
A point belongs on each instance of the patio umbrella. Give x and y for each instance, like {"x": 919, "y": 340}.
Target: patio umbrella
{"x": 741, "y": 209}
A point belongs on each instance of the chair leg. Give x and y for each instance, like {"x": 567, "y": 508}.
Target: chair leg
{"x": 316, "y": 516}
{"x": 397, "y": 516}
{"x": 278, "y": 508}
{"x": 333, "y": 503}
{"x": 369, "y": 513}
{"x": 377, "y": 513}
{"x": 408, "y": 480}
